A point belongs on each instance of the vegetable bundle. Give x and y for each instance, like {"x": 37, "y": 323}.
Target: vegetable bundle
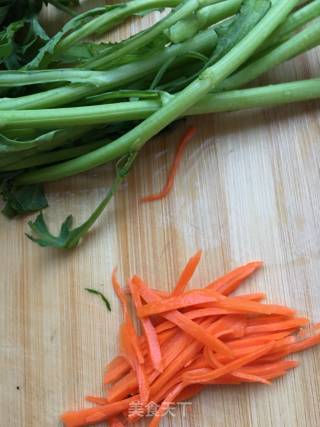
{"x": 76, "y": 105}
{"x": 192, "y": 339}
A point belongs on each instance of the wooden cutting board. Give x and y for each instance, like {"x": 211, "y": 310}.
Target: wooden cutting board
{"x": 248, "y": 189}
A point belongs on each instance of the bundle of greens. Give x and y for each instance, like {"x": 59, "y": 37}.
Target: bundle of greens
{"x": 76, "y": 105}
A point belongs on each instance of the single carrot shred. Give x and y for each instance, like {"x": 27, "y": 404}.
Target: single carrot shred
{"x": 149, "y": 330}
{"x": 191, "y": 339}
{"x": 186, "y": 138}
{"x": 186, "y": 274}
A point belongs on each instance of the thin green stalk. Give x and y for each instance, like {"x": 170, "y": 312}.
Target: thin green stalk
{"x": 13, "y": 78}
{"x": 68, "y": 117}
{"x": 301, "y": 42}
{"x": 203, "y": 18}
{"x": 138, "y": 110}
{"x": 117, "y": 77}
{"x": 135, "y": 139}
{"x": 143, "y": 38}
{"x": 295, "y": 21}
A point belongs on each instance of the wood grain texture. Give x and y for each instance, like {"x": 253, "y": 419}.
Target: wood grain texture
{"x": 248, "y": 189}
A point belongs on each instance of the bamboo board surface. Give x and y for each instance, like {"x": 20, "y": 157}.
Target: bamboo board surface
{"x": 248, "y": 189}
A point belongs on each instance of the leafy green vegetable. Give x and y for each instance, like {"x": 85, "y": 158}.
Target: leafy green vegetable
{"x": 107, "y": 110}
{"x": 100, "y": 294}
{"x": 22, "y": 200}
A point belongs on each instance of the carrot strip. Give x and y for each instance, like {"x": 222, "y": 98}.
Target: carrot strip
{"x": 119, "y": 366}
{"x": 206, "y": 378}
{"x": 258, "y": 296}
{"x": 214, "y": 363}
{"x": 166, "y": 403}
{"x": 253, "y": 307}
{"x": 189, "y": 299}
{"x": 186, "y": 274}
{"x": 277, "y": 326}
{"x": 130, "y": 344}
{"x": 173, "y": 170}
{"x": 260, "y": 319}
{"x": 97, "y": 400}
{"x": 132, "y": 333}
{"x": 230, "y": 282}
{"x": 296, "y": 347}
{"x": 115, "y": 422}
{"x": 192, "y": 328}
{"x": 188, "y": 353}
{"x": 257, "y": 340}
{"x": 267, "y": 368}
{"x": 149, "y": 331}
{"x": 190, "y": 391}
{"x": 115, "y": 370}
{"x": 171, "y": 350}
{"x": 86, "y": 417}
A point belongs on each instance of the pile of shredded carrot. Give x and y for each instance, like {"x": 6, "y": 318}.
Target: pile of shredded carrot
{"x": 191, "y": 339}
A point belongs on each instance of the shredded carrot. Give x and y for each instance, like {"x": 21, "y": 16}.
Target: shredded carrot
{"x": 97, "y": 400}
{"x": 130, "y": 344}
{"x": 184, "y": 323}
{"x": 193, "y": 376}
{"x": 230, "y": 282}
{"x": 149, "y": 330}
{"x": 192, "y": 339}
{"x": 115, "y": 422}
{"x": 166, "y": 402}
{"x": 186, "y": 274}
{"x": 186, "y": 138}
{"x": 193, "y": 298}
{"x": 129, "y": 324}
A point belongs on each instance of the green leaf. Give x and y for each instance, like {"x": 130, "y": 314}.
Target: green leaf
{"x": 20, "y": 41}
{"x": 47, "y": 52}
{"x": 69, "y": 237}
{"x": 22, "y": 200}
{"x": 100, "y": 294}
{"x": 82, "y": 52}
{"x": 7, "y": 44}
{"x": 234, "y": 30}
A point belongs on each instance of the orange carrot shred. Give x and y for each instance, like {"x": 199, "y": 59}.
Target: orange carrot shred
{"x": 184, "y": 323}
{"x": 166, "y": 402}
{"x": 186, "y": 274}
{"x": 115, "y": 422}
{"x": 230, "y": 282}
{"x": 226, "y": 369}
{"x": 97, "y": 400}
{"x": 128, "y": 321}
{"x": 149, "y": 330}
{"x": 173, "y": 171}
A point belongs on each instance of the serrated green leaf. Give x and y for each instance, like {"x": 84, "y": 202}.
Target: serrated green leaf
{"x": 69, "y": 237}
{"x": 46, "y": 53}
